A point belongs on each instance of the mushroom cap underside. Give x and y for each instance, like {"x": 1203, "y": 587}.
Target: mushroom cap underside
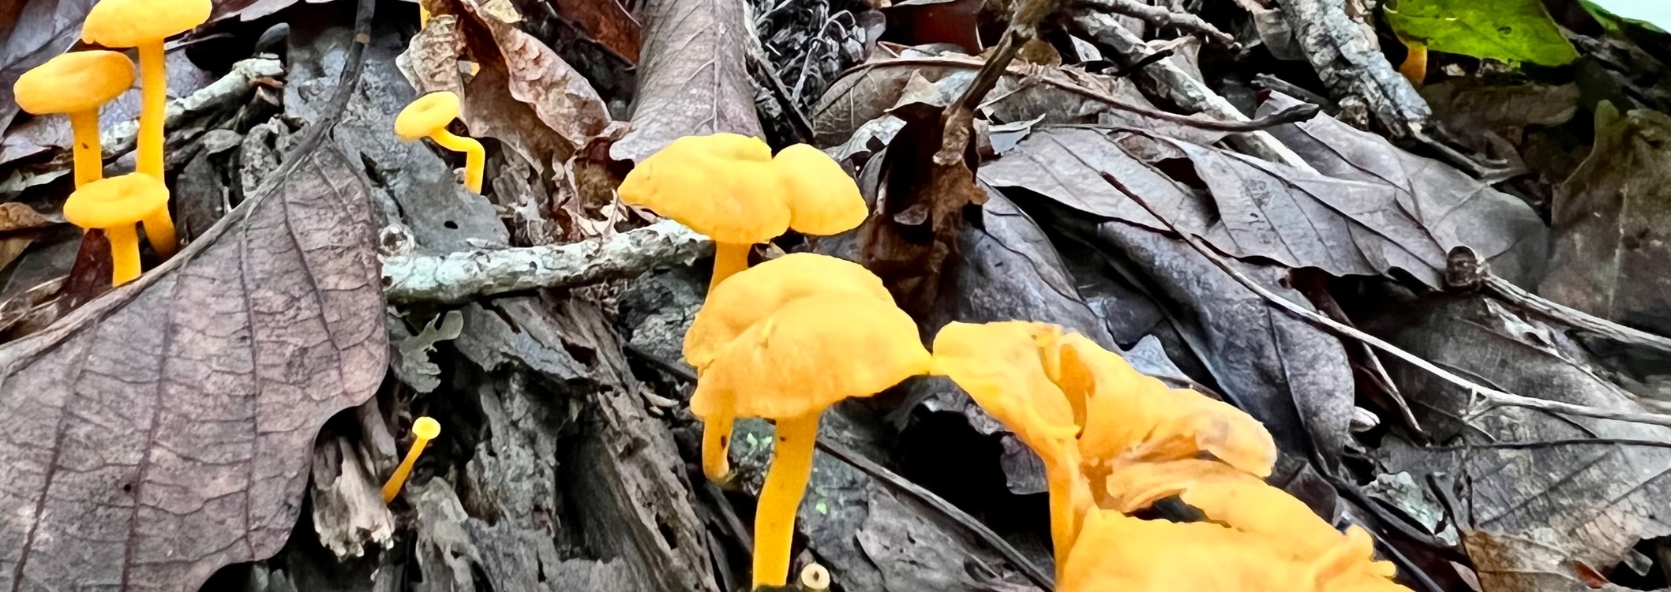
{"x": 74, "y": 82}
{"x": 810, "y": 354}
{"x": 1000, "y": 366}
{"x": 131, "y": 23}
{"x": 115, "y": 201}
{"x": 760, "y": 291}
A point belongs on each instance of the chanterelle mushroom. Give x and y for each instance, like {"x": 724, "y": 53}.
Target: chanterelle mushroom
{"x": 729, "y": 187}
{"x": 428, "y": 117}
{"x": 115, "y": 205}
{"x": 733, "y": 307}
{"x": 788, "y": 367}
{"x": 144, "y": 24}
{"x": 77, "y": 84}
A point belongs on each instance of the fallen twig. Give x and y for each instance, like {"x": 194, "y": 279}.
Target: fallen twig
{"x": 1182, "y": 89}
{"x": 460, "y": 276}
{"x": 1161, "y": 17}
{"x": 766, "y": 76}
{"x": 1482, "y": 398}
{"x": 1464, "y": 270}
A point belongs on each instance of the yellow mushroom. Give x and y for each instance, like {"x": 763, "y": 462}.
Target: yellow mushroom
{"x": 1118, "y": 553}
{"x": 115, "y": 205}
{"x": 428, "y": 117}
{"x": 1001, "y": 366}
{"x": 789, "y": 367}
{"x": 423, "y": 430}
{"x": 733, "y": 307}
{"x": 77, "y": 84}
{"x": 144, "y": 24}
{"x": 729, "y": 187}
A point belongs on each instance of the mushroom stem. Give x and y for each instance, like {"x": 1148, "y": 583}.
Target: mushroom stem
{"x": 159, "y": 231}
{"x": 153, "y": 74}
{"x": 475, "y": 157}
{"x": 729, "y": 258}
{"x": 780, "y": 497}
{"x": 124, "y": 253}
{"x": 1414, "y": 68}
{"x": 1064, "y": 484}
{"x": 716, "y": 444}
{"x": 89, "y": 162}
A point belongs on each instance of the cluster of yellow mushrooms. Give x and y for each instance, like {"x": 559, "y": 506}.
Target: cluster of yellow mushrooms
{"x": 78, "y": 83}
{"x": 788, "y": 338}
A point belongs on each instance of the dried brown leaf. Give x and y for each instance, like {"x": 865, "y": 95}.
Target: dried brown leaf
{"x": 164, "y": 431}
{"x": 607, "y": 23}
{"x": 562, "y": 98}
{"x": 918, "y": 22}
{"x": 693, "y": 76}
{"x": 1612, "y": 256}
{"x": 16, "y": 217}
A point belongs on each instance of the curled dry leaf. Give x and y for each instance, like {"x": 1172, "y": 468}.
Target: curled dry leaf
{"x": 693, "y": 76}
{"x": 562, "y": 98}
{"x": 607, "y": 23}
{"x": 164, "y": 431}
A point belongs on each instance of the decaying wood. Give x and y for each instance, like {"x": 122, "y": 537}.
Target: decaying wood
{"x": 460, "y": 276}
{"x": 1159, "y": 16}
{"x": 1180, "y": 88}
{"x": 348, "y": 510}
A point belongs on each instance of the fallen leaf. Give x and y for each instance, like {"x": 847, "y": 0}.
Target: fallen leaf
{"x": 38, "y": 30}
{"x": 1612, "y": 224}
{"x": 16, "y": 217}
{"x": 563, "y": 99}
{"x": 1524, "y": 564}
{"x": 1506, "y": 30}
{"x": 693, "y": 76}
{"x": 1655, "y": 15}
{"x": 164, "y": 431}
{"x": 1588, "y": 503}
{"x": 607, "y": 23}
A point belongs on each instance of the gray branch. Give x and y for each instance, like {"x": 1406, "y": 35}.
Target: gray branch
{"x": 461, "y": 276}
{"x": 1161, "y": 17}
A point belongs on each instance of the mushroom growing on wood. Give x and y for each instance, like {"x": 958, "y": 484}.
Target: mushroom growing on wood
{"x": 144, "y": 24}
{"x": 77, "y": 84}
{"x": 115, "y": 205}
{"x": 1002, "y": 368}
{"x": 733, "y": 307}
{"x": 428, "y": 117}
{"x": 788, "y": 367}
{"x": 729, "y": 187}
{"x": 424, "y": 429}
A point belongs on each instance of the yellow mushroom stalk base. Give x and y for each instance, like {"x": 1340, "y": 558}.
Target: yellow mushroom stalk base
{"x": 153, "y": 109}
{"x": 780, "y": 497}
{"x": 124, "y": 254}
{"x": 716, "y": 447}
{"x": 729, "y": 259}
{"x": 159, "y": 231}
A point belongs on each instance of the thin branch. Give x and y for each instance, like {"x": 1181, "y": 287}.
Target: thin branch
{"x": 1482, "y": 398}
{"x": 1465, "y": 270}
{"x": 1554, "y": 443}
{"x": 1161, "y": 17}
{"x": 461, "y": 276}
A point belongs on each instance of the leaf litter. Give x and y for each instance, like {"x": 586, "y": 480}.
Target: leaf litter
{"x": 990, "y": 158}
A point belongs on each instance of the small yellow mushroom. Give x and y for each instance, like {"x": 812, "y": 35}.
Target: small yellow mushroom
{"x": 77, "y": 84}
{"x": 789, "y": 367}
{"x": 115, "y": 205}
{"x": 145, "y": 24}
{"x": 423, "y": 430}
{"x": 428, "y": 117}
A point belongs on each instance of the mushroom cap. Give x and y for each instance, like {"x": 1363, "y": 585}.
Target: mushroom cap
{"x": 74, "y": 82}
{"x": 131, "y": 23}
{"x": 1117, "y": 553}
{"x": 115, "y": 201}
{"x": 1130, "y": 417}
{"x": 1000, "y": 366}
{"x": 424, "y": 116}
{"x": 810, "y": 354}
{"x": 757, "y": 292}
{"x": 823, "y": 200}
{"x": 722, "y": 185}
{"x": 426, "y": 428}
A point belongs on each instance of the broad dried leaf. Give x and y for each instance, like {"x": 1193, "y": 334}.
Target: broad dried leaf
{"x": 1590, "y": 501}
{"x": 34, "y": 31}
{"x": 693, "y": 76}
{"x": 16, "y": 217}
{"x": 164, "y": 431}
{"x": 1612, "y": 221}
{"x": 1524, "y": 564}
{"x": 559, "y": 95}
{"x": 1451, "y": 207}
{"x": 607, "y": 23}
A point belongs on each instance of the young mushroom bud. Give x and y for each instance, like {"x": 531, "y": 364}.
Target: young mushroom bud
{"x": 115, "y": 205}
{"x": 428, "y": 117}
{"x": 144, "y": 24}
{"x": 423, "y": 430}
{"x": 77, "y": 84}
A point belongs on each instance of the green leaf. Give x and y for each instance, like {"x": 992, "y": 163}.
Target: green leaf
{"x": 1653, "y": 14}
{"x": 1506, "y": 30}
